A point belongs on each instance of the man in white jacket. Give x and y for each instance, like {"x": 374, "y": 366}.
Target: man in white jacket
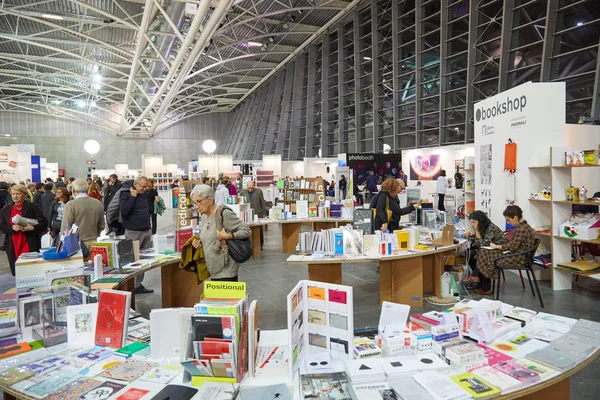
{"x": 222, "y": 192}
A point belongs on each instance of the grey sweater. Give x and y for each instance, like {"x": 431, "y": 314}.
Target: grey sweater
{"x": 215, "y": 261}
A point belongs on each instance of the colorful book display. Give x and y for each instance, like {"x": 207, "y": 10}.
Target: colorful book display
{"x": 320, "y": 321}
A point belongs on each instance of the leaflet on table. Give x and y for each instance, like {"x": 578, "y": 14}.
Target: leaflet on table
{"x": 320, "y": 320}
{"x": 81, "y": 324}
{"x": 393, "y": 318}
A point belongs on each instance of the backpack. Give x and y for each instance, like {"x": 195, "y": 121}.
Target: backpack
{"x": 113, "y": 212}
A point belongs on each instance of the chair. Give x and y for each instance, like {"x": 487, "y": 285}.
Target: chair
{"x": 528, "y": 268}
{"x": 510, "y": 235}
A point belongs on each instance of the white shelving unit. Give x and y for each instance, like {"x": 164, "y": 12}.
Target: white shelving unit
{"x": 469, "y": 184}
{"x": 562, "y": 178}
{"x": 540, "y": 210}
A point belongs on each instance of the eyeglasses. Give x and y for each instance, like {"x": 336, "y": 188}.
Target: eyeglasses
{"x": 198, "y": 202}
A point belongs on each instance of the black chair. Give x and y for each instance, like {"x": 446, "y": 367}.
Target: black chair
{"x": 528, "y": 268}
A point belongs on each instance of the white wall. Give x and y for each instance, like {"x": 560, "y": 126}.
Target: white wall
{"x": 318, "y": 167}
{"x": 537, "y": 123}
{"x": 292, "y": 169}
{"x": 580, "y": 137}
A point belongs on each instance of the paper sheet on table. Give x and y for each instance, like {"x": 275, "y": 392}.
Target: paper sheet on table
{"x": 273, "y": 338}
{"x": 295, "y": 257}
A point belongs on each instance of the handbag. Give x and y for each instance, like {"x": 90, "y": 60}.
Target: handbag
{"x": 387, "y": 209}
{"x": 240, "y": 250}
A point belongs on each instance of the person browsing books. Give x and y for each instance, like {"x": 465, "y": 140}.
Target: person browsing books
{"x": 214, "y": 241}
{"x": 21, "y": 238}
{"x": 255, "y": 197}
{"x": 387, "y": 201}
{"x": 523, "y": 240}
{"x": 486, "y": 232}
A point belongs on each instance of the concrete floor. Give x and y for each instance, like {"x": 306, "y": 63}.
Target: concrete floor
{"x": 269, "y": 279}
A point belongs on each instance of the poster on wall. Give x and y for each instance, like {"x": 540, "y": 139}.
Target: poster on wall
{"x": 485, "y": 164}
{"x": 425, "y": 167}
{"x": 386, "y": 165}
{"x": 9, "y": 162}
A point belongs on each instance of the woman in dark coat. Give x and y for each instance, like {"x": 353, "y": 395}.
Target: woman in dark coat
{"x": 21, "y": 239}
{"x": 387, "y": 200}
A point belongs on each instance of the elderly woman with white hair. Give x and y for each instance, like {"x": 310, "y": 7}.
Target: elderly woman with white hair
{"x": 21, "y": 237}
{"x": 219, "y": 224}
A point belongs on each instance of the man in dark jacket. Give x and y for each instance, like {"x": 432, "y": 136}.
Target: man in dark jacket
{"x": 256, "y": 198}
{"x": 59, "y": 183}
{"x": 136, "y": 220}
{"x": 46, "y": 200}
{"x": 113, "y": 187}
{"x": 371, "y": 183}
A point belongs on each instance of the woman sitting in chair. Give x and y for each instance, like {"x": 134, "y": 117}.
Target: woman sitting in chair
{"x": 524, "y": 240}
{"x": 486, "y": 232}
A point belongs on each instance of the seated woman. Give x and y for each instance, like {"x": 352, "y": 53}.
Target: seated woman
{"x": 524, "y": 240}
{"x": 387, "y": 200}
{"x": 486, "y": 232}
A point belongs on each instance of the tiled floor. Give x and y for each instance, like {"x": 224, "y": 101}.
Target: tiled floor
{"x": 270, "y": 278}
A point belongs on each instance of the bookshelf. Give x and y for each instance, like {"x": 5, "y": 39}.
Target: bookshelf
{"x": 563, "y": 177}
{"x": 264, "y": 179}
{"x": 309, "y": 189}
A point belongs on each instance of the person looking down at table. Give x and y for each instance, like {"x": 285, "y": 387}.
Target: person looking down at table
{"x": 21, "y": 239}
{"x": 214, "y": 241}
{"x": 486, "y": 232}
{"x": 387, "y": 200}
{"x": 523, "y": 240}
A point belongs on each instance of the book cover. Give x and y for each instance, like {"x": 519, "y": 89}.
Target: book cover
{"x": 125, "y": 252}
{"x": 497, "y": 378}
{"x": 518, "y": 372}
{"x": 353, "y": 241}
{"x": 213, "y": 326}
{"x": 133, "y": 394}
{"x": 74, "y": 389}
{"x": 374, "y": 391}
{"x": 132, "y": 348}
{"x": 181, "y": 237}
{"x": 102, "y": 251}
{"x": 113, "y": 318}
{"x": 475, "y": 386}
{"x": 162, "y": 375}
{"x": 517, "y": 344}
{"x": 54, "y": 382}
{"x": 112, "y": 252}
{"x": 493, "y": 356}
{"x": 339, "y": 243}
{"x": 326, "y": 386}
{"x": 14, "y": 375}
{"x": 128, "y": 370}
{"x": 277, "y": 391}
{"x": 544, "y": 371}
{"x": 81, "y": 324}
{"x": 103, "y": 391}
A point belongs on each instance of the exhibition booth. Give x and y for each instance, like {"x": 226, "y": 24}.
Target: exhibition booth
{"x": 70, "y": 329}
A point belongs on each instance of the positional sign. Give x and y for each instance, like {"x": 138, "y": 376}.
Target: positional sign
{"x": 182, "y": 210}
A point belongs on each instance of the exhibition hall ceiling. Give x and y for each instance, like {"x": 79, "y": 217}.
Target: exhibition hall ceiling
{"x": 136, "y": 67}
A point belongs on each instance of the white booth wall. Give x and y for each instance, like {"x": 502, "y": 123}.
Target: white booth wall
{"x": 535, "y": 121}
{"x": 292, "y": 169}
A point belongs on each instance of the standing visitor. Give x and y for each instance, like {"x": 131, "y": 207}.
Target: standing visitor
{"x": 57, "y": 210}
{"x": 135, "y": 213}
{"x": 371, "y": 183}
{"x": 220, "y": 196}
{"x": 152, "y": 197}
{"x": 111, "y": 189}
{"x": 38, "y": 193}
{"x": 239, "y": 183}
{"x": 343, "y": 187}
{"x": 219, "y": 263}
{"x": 231, "y": 186}
{"x": 87, "y": 213}
{"x": 60, "y": 183}
{"x": 387, "y": 200}
{"x": 47, "y": 199}
{"x": 256, "y": 198}
{"x": 404, "y": 178}
{"x": 442, "y": 189}
{"x": 21, "y": 239}
{"x": 94, "y": 191}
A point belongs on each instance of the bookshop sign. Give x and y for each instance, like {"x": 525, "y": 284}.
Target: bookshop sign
{"x": 182, "y": 210}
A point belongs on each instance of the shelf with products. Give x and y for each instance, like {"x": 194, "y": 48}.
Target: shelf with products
{"x": 541, "y": 201}
{"x": 264, "y": 178}
{"x": 566, "y": 181}
{"x": 164, "y": 180}
{"x": 580, "y": 203}
{"x": 309, "y": 189}
{"x": 541, "y": 167}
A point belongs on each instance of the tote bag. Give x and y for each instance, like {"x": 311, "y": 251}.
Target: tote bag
{"x": 240, "y": 250}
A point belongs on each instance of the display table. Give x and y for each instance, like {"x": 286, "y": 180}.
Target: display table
{"x": 178, "y": 287}
{"x": 290, "y": 229}
{"x": 402, "y": 278}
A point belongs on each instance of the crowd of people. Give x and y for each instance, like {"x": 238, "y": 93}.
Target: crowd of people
{"x": 126, "y": 208}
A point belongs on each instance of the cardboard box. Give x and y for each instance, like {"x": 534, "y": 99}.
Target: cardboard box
{"x": 31, "y": 273}
{"x": 584, "y": 231}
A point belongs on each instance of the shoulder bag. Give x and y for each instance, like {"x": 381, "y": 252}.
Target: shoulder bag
{"x": 240, "y": 250}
